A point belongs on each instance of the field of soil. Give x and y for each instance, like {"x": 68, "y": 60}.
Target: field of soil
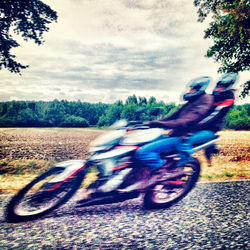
{"x": 44, "y": 144}
{"x": 25, "y": 152}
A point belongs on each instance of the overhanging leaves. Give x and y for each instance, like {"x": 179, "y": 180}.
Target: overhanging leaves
{"x": 27, "y": 18}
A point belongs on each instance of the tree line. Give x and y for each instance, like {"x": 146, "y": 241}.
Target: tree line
{"x": 83, "y": 114}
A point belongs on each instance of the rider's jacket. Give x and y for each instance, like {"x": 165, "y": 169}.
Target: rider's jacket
{"x": 186, "y": 118}
{"x": 215, "y": 117}
{"x": 207, "y": 112}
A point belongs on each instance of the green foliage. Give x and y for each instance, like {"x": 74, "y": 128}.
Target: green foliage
{"x": 54, "y": 114}
{"x": 27, "y": 18}
{"x": 27, "y": 117}
{"x": 113, "y": 113}
{"x": 229, "y": 30}
{"x": 81, "y": 114}
{"x": 132, "y": 99}
{"x": 245, "y": 91}
{"x": 74, "y": 121}
{"x": 152, "y": 100}
{"x": 238, "y": 119}
{"x": 247, "y": 108}
{"x": 129, "y": 112}
{"x": 229, "y": 174}
{"x": 102, "y": 121}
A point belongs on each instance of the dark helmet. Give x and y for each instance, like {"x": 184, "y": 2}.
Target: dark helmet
{"x": 225, "y": 83}
{"x": 197, "y": 87}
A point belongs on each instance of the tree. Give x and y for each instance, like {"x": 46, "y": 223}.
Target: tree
{"x": 113, "y": 114}
{"x": 142, "y": 100}
{"x": 129, "y": 112}
{"x": 247, "y": 108}
{"x": 132, "y": 99}
{"x": 28, "y": 18}
{"x": 74, "y": 121}
{"x": 238, "y": 119}
{"x": 245, "y": 91}
{"x": 54, "y": 115}
{"x": 102, "y": 121}
{"x": 26, "y": 118}
{"x": 152, "y": 100}
{"x": 230, "y": 31}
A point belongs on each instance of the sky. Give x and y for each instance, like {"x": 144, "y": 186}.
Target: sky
{"x": 104, "y": 51}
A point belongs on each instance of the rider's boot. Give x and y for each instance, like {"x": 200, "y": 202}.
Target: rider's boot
{"x": 209, "y": 152}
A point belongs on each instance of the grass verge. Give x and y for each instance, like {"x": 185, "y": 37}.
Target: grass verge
{"x": 20, "y": 173}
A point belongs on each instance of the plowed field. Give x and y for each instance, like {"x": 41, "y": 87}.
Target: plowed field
{"x": 44, "y": 144}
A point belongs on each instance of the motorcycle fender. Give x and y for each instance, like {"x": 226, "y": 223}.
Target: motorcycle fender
{"x": 70, "y": 168}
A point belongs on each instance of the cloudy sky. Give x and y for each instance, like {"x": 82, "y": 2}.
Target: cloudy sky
{"x": 103, "y": 51}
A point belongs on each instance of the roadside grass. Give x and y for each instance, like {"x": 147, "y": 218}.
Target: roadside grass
{"x": 223, "y": 168}
{"x": 14, "y": 183}
{"x": 23, "y": 171}
{"x": 24, "y": 166}
{"x": 15, "y": 174}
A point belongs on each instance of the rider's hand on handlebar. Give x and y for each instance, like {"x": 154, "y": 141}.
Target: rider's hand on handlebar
{"x": 146, "y": 124}
{"x": 153, "y": 124}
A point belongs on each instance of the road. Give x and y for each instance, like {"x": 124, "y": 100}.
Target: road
{"x": 213, "y": 216}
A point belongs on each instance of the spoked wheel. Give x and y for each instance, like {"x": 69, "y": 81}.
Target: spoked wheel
{"x": 166, "y": 193}
{"x": 41, "y": 196}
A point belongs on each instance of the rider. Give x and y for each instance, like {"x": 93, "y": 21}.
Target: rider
{"x": 201, "y": 131}
{"x": 212, "y": 108}
{"x": 181, "y": 122}
{"x": 223, "y": 101}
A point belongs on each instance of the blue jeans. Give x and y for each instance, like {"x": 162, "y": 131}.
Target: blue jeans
{"x": 185, "y": 149}
{"x": 199, "y": 137}
{"x": 149, "y": 154}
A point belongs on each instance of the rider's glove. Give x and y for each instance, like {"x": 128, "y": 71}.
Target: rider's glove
{"x": 155, "y": 124}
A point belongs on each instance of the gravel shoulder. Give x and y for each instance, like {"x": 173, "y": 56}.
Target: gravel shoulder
{"x": 212, "y": 216}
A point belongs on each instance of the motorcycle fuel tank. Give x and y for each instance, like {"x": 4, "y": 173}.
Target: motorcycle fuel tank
{"x": 108, "y": 139}
{"x": 142, "y": 136}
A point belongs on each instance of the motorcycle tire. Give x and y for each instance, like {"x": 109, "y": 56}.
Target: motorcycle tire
{"x": 165, "y": 194}
{"x": 38, "y": 198}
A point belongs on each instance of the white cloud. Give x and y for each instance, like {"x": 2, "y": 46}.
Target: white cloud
{"x": 107, "y": 50}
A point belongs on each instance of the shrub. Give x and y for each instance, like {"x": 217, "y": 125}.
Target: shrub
{"x": 238, "y": 119}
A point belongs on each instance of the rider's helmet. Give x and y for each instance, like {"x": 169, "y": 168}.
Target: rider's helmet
{"x": 225, "y": 83}
{"x": 197, "y": 87}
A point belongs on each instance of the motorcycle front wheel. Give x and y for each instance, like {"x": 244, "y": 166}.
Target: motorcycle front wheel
{"x": 165, "y": 194}
{"x": 41, "y": 196}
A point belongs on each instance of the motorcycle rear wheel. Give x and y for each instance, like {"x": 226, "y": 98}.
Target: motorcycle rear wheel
{"x": 165, "y": 194}
{"x": 41, "y": 197}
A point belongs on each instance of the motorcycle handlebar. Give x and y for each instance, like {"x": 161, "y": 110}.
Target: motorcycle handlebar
{"x": 137, "y": 125}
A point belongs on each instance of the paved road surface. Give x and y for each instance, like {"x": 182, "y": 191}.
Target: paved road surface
{"x": 212, "y": 216}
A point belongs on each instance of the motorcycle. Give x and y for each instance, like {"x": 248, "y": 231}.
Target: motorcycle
{"x": 106, "y": 175}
